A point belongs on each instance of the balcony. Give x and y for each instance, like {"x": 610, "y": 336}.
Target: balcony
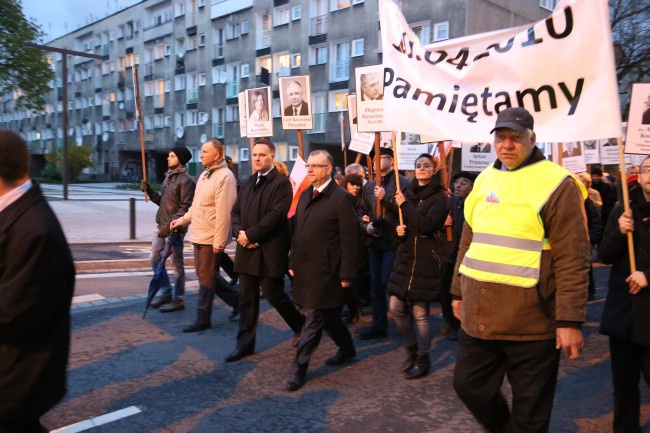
{"x": 318, "y": 25}
{"x": 232, "y": 89}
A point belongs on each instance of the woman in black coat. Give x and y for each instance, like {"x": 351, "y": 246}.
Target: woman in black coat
{"x": 416, "y": 278}
{"x": 626, "y": 315}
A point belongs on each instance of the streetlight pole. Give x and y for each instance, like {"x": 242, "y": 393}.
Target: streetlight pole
{"x": 65, "y": 100}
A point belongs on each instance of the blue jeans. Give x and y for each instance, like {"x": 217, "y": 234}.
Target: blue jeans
{"x": 381, "y": 265}
{"x": 412, "y": 321}
{"x": 177, "y": 266}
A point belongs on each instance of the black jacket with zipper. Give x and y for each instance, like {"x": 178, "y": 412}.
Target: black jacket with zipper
{"x": 417, "y": 272}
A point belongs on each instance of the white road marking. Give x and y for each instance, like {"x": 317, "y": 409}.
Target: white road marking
{"x": 86, "y": 298}
{"x": 99, "y": 420}
{"x": 146, "y": 273}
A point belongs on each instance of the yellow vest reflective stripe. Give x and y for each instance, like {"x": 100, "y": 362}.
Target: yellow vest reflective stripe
{"x": 508, "y": 233}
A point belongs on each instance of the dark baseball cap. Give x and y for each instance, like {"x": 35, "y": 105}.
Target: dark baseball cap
{"x": 382, "y": 151}
{"x": 516, "y": 118}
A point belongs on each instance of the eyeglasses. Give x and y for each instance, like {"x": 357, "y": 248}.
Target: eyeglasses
{"x": 308, "y": 166}
{"x": 644, "y": 170}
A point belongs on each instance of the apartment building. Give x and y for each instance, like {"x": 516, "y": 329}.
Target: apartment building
{"x": 195, "y": 56}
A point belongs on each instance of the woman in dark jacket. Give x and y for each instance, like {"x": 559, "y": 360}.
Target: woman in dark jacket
{"x": 626, "y": 315}
{"x": 417, "y": 273}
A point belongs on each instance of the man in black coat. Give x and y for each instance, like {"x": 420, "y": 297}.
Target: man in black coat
{"x": 626, "y": 315}
{"x": 323, "y": 262}
{"x": 381, "y": 252}
{"x": 36, "y": 285}
{"x": 259, "y": 221}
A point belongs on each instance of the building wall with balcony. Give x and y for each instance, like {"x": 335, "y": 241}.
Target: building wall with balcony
{"x": 226, "y": 43}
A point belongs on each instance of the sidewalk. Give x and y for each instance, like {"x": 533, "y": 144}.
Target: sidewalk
{"x": 99, "y": 213}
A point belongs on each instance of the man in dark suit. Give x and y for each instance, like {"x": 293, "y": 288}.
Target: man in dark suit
{"x": 259, "y": 221}
{"x": 323, "y": 262}
{"x": 297, "y": 106}
{"x": 37, "y": 278}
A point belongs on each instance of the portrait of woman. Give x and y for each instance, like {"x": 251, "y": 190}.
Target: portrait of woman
{"x": 260, "y": 110}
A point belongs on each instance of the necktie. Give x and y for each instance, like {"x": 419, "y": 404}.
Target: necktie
{"x": 260, "y": 180}
{"x": 295, "y": 111}
{"x": 314, "y": 194}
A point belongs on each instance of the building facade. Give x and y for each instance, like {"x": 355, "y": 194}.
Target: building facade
{"x": 195, "y": 56}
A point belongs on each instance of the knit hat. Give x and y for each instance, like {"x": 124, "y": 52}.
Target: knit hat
{"x": 182, "y": 153}
{"x": 516, "y": 118}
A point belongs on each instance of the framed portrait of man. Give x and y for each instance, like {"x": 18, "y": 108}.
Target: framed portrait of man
{"x": 295, "y": 102}
{"x": 370, "y": 98}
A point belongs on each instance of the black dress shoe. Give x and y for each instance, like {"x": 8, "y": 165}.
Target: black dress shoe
{"x": 196, "y": 327}
{"x": 340, "y": 357}
{"x": 239, "y": 353}
{"x": 295, "y": 382}
{"x": 371, "y": 334}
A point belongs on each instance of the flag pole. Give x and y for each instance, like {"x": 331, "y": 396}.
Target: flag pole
{"x": 626, "y": 202}
{"x": 396, "y": 168}
{"x": 343, "y": 146}
{"x": 442, "y": 156}
{"x": 301, "y": 150}
{"x": 138, "y": 113}
{"x": 377, "y": 174}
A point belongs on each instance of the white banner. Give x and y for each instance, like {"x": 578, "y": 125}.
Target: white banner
{"x": 560, "y": 69}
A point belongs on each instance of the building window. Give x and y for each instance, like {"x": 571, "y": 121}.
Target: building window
{"x": 219, "y": 74}
{"x": 295, "y": 13}
{"x": 233, "y": 31}
{"x": 319, "y": 107}
{"x": 441, "y": 31}
{"x": 265, "y": 26}
{"x": 218, "y": 125}
{"x": 265, "y": 62}
{"x": 158, "y": 51}
{"x": 232, "y": 113}
{"x": 357, "y": 48}
{"x": 317, "y": 55}
{"x": 202, "y": 79}
{"x": 159, "y": 93}
{"x": 340, "y": 63}
{"x": 244, "y": 154}
{"x": 179, "y": 82}
{"x": 202, "y": 40}
{"x": 192, "y": 117}
{"x": 245, "y": 70}
{"x": 218, "y": 44}
{"x": 192, "y": 88}
{"x": 339, "y": 4}
{"x": 281, "y": 16}
{"x": 338, "y": 100}
{"x": 232, "y": 86}
{"x": 423, "y": 32}
{"x": 167, "y": 51}
{"x": 244, "y": 27}
{"x": 191, "y": 43}
{"x": 548, "y": 4}
{"x": 295, "y": 60}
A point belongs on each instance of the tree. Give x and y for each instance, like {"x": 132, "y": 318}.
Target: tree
{"x": 630, "y": 21}
{"x": 21, "y": 68}
{"x": 79, "y": 157}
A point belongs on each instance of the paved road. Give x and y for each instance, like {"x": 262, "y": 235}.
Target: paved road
{"x": 175, "y": 382}
{"x": 181, "y": 384}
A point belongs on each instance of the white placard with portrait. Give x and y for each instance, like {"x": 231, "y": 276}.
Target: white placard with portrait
{"x": 258, "y": 109}
{"x": 571, "y": 156}
{"x": 295, "y": 100}
{"x": 241, "y": 97}
{"x": 638, "y": 124}
{"x": 360, "y": 142}
{"x": 477, "y": 156}
{"x": 370, "y": 98}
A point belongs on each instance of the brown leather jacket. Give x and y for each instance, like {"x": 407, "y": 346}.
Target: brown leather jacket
{"x": 494, "y": 311}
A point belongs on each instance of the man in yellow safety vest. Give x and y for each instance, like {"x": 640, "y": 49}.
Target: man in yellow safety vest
{"x": 520, "y": 286}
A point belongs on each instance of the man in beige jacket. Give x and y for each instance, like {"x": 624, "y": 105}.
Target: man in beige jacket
{"x": 216, "y": 191}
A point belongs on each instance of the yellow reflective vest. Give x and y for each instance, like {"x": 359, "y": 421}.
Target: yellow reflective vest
{"x": 508, "y": 232}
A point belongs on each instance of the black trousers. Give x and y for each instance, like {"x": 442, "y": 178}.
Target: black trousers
{"x": 531, "y": 368}
{"x": 629, "y": 360}
{"x": 331, "y": 322}
{"x": 228, "y": 266}
{"x": 445, "y": 295}
{"x": 249, "y": 306}
{"x": 210, "y": 283}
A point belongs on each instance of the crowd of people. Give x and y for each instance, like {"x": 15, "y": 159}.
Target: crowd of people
{"x": 507, "y": 253}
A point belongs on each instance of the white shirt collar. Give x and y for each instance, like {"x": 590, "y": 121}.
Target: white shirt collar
{"x": 14, "y": 194}
{"x": 323, "y": 186}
